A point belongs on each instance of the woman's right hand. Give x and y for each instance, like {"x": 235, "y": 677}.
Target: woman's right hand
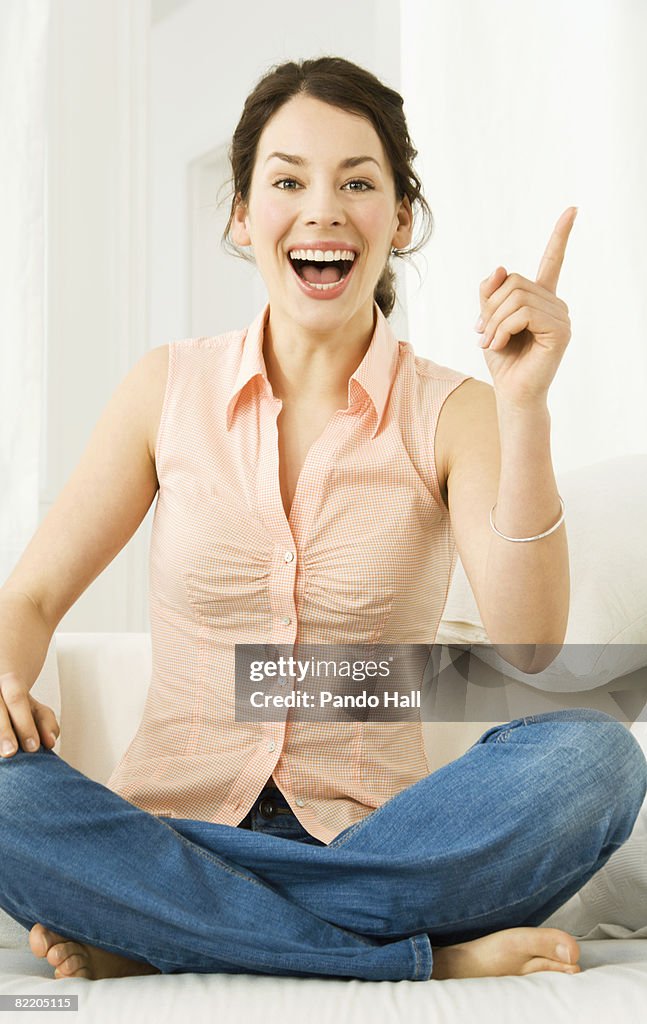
{"x": 23, "y": 718}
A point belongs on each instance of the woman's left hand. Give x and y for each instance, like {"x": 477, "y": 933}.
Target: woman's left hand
{"x": 526, "y": 328}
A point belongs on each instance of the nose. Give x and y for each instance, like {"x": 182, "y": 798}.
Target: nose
{"x": 323, "y": 205}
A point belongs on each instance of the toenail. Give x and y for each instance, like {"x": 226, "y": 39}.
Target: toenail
{"x": 563, "y": 953}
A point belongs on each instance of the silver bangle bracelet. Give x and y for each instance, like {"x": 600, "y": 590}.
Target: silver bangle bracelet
{"x": 524, "y": 540}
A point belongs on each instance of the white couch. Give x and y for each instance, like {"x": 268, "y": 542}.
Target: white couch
{"x": 103, "y": 680}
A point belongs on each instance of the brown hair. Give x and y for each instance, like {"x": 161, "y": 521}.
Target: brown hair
{"x": 349, "y": 87}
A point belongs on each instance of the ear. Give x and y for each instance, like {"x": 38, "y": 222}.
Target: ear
{"x": 239, "y": 224}
{"x": 402, "y": 237}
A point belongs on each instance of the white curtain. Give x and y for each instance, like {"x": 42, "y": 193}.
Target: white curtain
{"x": 519, "y": 109}
{"x": 23, "y": 124}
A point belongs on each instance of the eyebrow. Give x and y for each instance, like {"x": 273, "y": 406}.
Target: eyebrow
{"x": 351, "y": 161}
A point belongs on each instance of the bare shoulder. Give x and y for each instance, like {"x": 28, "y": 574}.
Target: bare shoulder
{"x": 463, "y": 414}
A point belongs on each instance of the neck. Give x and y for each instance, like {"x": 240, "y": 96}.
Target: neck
{"x": 308, "y": 365}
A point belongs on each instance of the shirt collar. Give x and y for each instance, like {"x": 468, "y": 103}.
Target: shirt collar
{"x": 374, "y": 375}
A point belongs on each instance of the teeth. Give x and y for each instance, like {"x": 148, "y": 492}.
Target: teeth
{"x": 320, "y": 256}
{"x": 322, "y": 287}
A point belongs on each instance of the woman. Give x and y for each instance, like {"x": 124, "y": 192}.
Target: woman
{"x": 313, "y": 474}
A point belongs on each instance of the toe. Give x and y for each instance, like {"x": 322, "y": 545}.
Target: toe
{"x": 37, "y": 942}
{"x": 82, "y": 972}
{"x": 564, "y": 940}
{"x": 546, "y": 943}
{"x": 41, "y": 939}
{"x": 74, "y": 965}
{"x": 61, "y": 951}
{"x": 538, "y": 963}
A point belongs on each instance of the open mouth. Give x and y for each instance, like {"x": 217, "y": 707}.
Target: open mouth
{"x": 322, "y": 275}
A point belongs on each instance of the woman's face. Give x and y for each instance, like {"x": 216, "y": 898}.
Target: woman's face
{"x": 321, "y": 201}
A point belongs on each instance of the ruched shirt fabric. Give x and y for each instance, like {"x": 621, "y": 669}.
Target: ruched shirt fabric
{"x": 366, "y": 555}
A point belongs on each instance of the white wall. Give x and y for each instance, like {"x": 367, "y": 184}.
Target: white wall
{"x": 520, "y": 110}
{"x": 24, "y": 35}
{"x": 96, "y": 260}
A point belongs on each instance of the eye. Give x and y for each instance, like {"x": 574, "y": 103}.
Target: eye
{"x": 355, "y": 181}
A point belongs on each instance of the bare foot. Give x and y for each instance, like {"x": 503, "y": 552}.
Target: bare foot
{"x": 74, "y": 959}
{"x": 511, "y": 951}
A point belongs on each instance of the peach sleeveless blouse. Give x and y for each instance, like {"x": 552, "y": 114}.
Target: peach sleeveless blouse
{"x": 366, "y": 556}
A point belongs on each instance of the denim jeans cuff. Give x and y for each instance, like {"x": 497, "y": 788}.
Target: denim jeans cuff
{"x": 422, "y": 957}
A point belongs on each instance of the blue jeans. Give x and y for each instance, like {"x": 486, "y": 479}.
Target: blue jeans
{"x": 499, "y": 838}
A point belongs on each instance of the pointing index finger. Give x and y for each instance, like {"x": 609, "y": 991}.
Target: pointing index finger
{"x": 551, "y": 261}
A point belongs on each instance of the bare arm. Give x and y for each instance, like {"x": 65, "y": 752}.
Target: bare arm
{"x": 24, "y": 641}
{"x": 24, "y": 636}
{"x": 522, "y": 590}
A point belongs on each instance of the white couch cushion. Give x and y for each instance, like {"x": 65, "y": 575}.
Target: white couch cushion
{"x": 105, "y": 679}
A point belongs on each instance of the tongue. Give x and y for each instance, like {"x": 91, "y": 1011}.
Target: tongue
{"x": 324, "y": 274}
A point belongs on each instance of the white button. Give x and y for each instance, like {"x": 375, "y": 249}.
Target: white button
{"x": 289, "y": 556}
{"x": 286, "y": 620}
{"x": 300, "y": 802}
{"x": 271, "y": 745}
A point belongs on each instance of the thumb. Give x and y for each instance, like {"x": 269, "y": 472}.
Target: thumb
{"x": 487, "y": 288}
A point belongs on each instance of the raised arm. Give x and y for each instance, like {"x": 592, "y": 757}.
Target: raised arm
{"x": 522, "y": 590}
{"x": 499, "y": 439}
